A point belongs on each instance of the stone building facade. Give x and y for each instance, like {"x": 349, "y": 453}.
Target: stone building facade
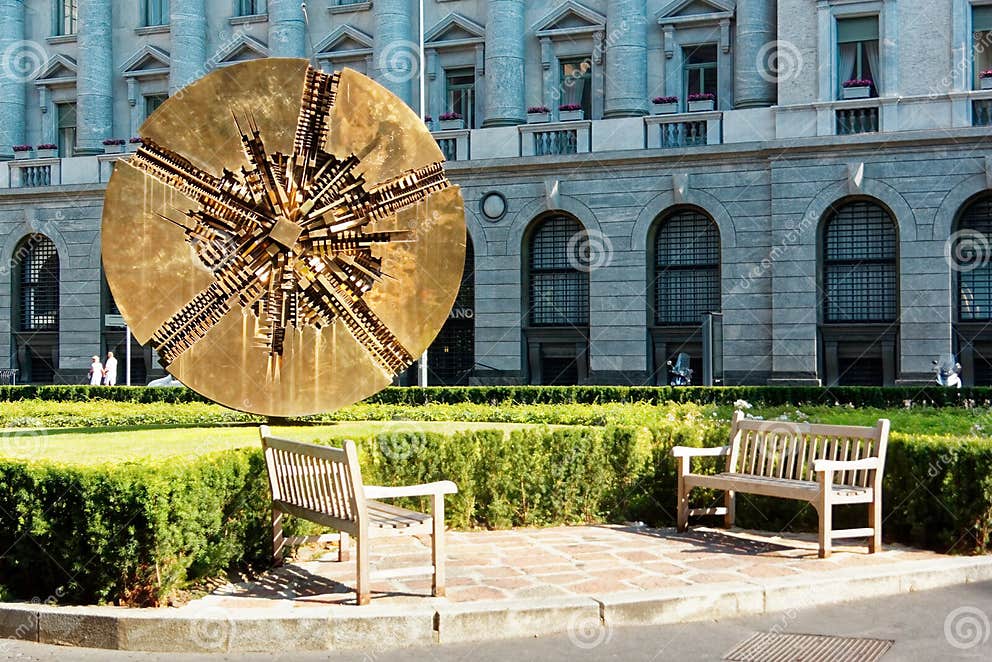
{"x": 808, "y": 202}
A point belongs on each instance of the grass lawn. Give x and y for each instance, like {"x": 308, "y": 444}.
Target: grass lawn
{"x": 101, "y": 445}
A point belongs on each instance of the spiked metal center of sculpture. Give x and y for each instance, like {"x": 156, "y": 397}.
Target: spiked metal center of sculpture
{"x": 289, "y": 235}
{"x": 311, "y": 266}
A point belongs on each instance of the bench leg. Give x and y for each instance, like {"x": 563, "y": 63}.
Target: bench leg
{"x": 729, "y": 502}
{"x": 437, "y": 548}
{"x": 875, "y": 522}
{"x": 344, "y": 553}
{"x": 825, "y": 509}
{"x": 362, "y": 590}
{"x": 278, "y": 542}
{"x": 683, "y": 495}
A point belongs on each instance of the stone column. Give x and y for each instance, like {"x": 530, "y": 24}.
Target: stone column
{"x": 396, "y": 57}
{"x": 188, "y": 27}
{"x": 287, "y": 31}
{"x": 754, "y": 82}
{"x": 20, "y": 64}
{"x": 626, "y": 48}
{"x": 505, "y": 84}
{"x": 94, "y": 77}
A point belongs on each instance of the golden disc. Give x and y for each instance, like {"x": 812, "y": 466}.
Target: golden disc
{"x": 286, "y": 239}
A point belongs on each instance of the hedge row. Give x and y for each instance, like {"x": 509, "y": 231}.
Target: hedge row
{"x": 757, "y": 395}
{"x": 136, "y": 533}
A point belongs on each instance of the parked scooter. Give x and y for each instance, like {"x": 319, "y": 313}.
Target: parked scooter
{"x": 680, "y": 373}
{"x": 948, "y": 371}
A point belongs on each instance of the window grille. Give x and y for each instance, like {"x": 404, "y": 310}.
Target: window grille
{"x": 687, "y": 268}
{"x": 559, "y": 291}
{"x": 39, "y": 296}
{"x": 860, "y": 276}
{"x": 972, "y": 254}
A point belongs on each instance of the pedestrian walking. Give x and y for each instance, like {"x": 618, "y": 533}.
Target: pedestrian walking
{"x": 96, "y": 371}
{"x": 110, "y": 370}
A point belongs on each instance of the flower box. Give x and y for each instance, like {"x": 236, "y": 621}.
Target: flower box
{"x": 570, "y": 115}
{"x": 113, "y": 149}
{"x": 985, "y": 83}
{"x": 48, "y": 152}
{"x": 539, "y": 118}
{"x": 452, "y": 125}
{"x": 133, "y": 144}
{"x": 856, "y": 92}
{"x": 23, "y": 152}
{"x": 701, "y": 105}
{"x": 666, "y": 108}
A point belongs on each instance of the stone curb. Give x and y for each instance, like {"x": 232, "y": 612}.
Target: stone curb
{"x": 376, "y": 627}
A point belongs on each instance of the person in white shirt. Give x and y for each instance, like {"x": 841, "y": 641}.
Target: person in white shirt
{"x": 96, "y": 371}
{"x": 110, "y": 370}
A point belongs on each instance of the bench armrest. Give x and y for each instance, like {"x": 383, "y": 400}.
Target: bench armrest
{"x": 427, "y": 489}
{"x": 867, "y": 463}
{"x": 688, "y": 451}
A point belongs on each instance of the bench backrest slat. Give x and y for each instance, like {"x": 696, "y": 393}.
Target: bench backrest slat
{"x": 319, "y": 478}
{"x": 787, "y": 450}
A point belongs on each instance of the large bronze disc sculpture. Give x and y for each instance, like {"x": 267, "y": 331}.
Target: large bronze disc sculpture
{"x": 285, "y": 239}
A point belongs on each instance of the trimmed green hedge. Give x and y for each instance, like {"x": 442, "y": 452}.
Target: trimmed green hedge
{"x": 136, "y": 533}
{"x": 756, "y": 395}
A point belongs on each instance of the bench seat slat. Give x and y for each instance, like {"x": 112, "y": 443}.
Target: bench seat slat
{"x": 805, "y": 490}
{"x": 387, "y": 515}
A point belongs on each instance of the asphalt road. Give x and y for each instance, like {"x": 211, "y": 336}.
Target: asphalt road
{"x": 946, "y": 624}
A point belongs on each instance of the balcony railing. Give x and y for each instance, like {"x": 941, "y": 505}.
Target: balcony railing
{"x": 857, "y": 120}
{"x": 684, "y": 130}
{"x": 454, "y": 144}
{"x": 555, "y": 139}
{"x": 34, "y": 173}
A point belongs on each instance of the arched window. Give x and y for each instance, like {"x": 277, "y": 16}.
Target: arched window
{"x": 559, "y": 286}
{"x": 860, "y": 272}
{"x": 38, "y": 298}
{"x": 687, "y": 268}
{"x": 970, "y": 251}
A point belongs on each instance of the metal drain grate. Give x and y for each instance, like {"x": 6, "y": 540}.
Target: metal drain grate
{"x": 772, "y": 647}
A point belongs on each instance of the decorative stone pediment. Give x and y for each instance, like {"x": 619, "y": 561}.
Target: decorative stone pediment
{"x": 687, "y": 13}
{"x": 695, "y": 11}
{"x": 455, "y": 30}
{"x": 570, "y": 18}
{"x": 345, "y": 42}
{"x": 147, "y": 61}
{"x": 241, "y": 50}
{"x": 59, "y": 70}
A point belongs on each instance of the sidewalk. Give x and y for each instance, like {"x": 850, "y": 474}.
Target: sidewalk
{"x": 504, "y": 584}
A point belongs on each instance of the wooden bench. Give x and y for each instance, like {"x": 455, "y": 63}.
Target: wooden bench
{"x": 795, "y": 461}
{"x": 324, "y": 485}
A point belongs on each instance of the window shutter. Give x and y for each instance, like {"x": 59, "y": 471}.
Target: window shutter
{"x": 864, "y": 28}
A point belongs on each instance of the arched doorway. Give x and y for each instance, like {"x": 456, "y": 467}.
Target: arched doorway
{"x": 684, "y": 285}
{"x": 35, "y": 265}
{"x": 859, "y": 294}
{"x": 972, "y": 277}
{"x": 556, "y": 301}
